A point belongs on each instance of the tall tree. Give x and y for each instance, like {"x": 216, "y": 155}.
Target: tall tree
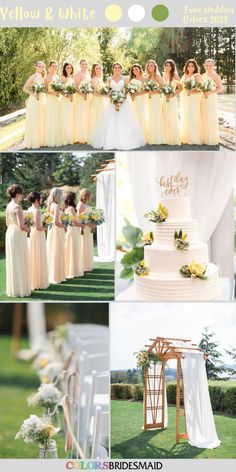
{"x": 214, "y": 366}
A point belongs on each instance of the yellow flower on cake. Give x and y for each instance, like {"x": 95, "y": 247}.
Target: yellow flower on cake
{"x": 197, "y": 269}
{"x": 148, "y": 237}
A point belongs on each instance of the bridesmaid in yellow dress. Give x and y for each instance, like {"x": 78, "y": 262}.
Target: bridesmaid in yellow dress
{"x": 98, "y": 102}
{"x": 156, "y": 132}
{"x": 191, "y": 122}
{"x": 209, "y": 104}
{"x": 73, "y": 247}
{"x": 87, "y": 238}
{"x": 52, "y": 119}
{"x": 170, "y": 104}
{"x": 37, "y": 246}
{"x": 35, "y": 109}
{"x": 82, "y": 105}
{"x": 139, "y": 99}
{"x": 67, "y": 107}
{"x": 17, "y": 258}
{"x": 56, "y": 238}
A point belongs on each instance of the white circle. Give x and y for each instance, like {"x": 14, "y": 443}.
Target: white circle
{"x": 136, "y": 13}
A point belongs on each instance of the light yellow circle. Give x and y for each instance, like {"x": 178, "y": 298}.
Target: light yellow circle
{"x": 113, "y": 12}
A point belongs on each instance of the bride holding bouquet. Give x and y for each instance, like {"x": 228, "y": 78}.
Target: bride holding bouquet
{"x": 118, "y": 127}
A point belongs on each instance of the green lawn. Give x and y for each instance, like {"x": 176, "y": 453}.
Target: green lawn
{"x": 129, "y": 441}
{"x": 94, "y": 286}
{"x": 18, "y": 380}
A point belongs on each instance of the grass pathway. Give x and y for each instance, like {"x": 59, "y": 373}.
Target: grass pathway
{"x": 97, "y": 285}
{"x": 129, "y": 441}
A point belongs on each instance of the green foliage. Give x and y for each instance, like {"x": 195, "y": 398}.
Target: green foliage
{"x": 214, "y": 366}
{"x": 134, "y": 242}
{"x": 2, "y": 231}
{"x": 222, "y": 394}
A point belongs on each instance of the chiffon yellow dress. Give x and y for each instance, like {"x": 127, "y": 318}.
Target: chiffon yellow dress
{"x": 191, "y": 119}
{"x": 38, "y": 255}
{"x": 17, "y": 257}
{"x": 35, "y": 118}
{"x": 87, "y": 244}
{"x": 171, "y": 117}
{"x": 73, "y": 252}
{"x": 98, "y": 105}
{"x": 56, "y": 251}
{"x": 156, "y": 132}
{"x": 209, "y": 114}
{"x": 67, "y": 116}
{"x": 140, "y": 105}
{"x": 83, "y": 116}
{"x": 52, "y": 119}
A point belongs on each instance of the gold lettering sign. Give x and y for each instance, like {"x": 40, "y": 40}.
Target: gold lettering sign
{"x": 173, "y": 186}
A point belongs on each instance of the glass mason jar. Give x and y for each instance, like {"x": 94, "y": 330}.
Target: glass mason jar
{"x": 48, "y": 450}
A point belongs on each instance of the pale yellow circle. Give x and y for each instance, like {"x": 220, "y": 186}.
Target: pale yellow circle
{"x": 113, "y": 12}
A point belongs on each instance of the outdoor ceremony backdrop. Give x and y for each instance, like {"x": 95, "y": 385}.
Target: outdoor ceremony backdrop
{"x": 20, "y": 48}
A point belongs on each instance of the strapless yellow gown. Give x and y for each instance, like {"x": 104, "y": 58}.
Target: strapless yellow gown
{"x": 56, "y": 254}
{"x": 209, "y": 114}
{"x": 156, "y": 132}
{"x": 35, "y": 119}
{"x": 73, "y": 253}
{"x": 191, "y": 120}
{"x": 17, "y": 259}
{"x": 38, "y": 258}
{"x": 67, "y": 117}
{"x": 83, "y": 118}
{"x": 171, "y": 118}
{"x": 52, "y": 121}
{"x": 140, "y": 105}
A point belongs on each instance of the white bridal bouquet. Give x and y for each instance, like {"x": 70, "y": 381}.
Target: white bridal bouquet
{"x": 117, "y": 98}
{"x": 56, "y": 86}
{"x": 47, "y": 396}
{"x": 103, "y": 89}
{"x": 132, "y": 88}
{"x": 85, "y": 88}
{"x": 151, "y": 86}
{"x": 37, "y": 88}
{"x": 167, "y": 90}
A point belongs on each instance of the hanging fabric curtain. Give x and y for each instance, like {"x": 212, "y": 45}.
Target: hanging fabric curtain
{"x": 199, "y": 417}
{"x": 154, "y": 396}
{"x": 105, "y": 200}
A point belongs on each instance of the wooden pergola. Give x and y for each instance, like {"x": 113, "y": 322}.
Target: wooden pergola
{"x": 104, "y": 167}
{"x": 154, "y": 383}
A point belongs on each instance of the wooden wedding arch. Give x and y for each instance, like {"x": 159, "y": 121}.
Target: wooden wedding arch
{"x": 154, "y": 384}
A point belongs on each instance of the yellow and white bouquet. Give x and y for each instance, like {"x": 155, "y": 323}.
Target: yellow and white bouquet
{"x": 85, "y": 88}
{"x": 194, "y": 270}
{"x": 180, "y": 241}
{"x": 47, "y": 219}
{"x": 36, "y": 430}
{"x": 93, "y": 217}
{"x": 67, "y": 219}
{"x": 158, "y": 216}
{"x": 28, "y": 218}
{"x": 141, "y": 269}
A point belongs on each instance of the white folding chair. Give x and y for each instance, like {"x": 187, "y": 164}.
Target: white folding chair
{"x": 100, "y": 442}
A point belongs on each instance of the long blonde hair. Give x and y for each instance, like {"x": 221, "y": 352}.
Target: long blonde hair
{"x": 56, "y": 195}
{"x": 156, "y": 70}
{"x": 85, "y": 193}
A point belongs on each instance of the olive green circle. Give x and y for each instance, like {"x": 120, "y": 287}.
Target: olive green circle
{"x": 160, "y": 12}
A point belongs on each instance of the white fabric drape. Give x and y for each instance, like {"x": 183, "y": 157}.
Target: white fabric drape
{"x": 154, "y": 401}
{"x": 199, "y": 417}
{"x": 211, "y": 179}
{"x": 105, "y": 200}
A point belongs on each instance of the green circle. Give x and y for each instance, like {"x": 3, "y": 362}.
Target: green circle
{"x": 160, "y": 12}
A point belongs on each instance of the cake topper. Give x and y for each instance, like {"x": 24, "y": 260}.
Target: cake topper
{"x": 173, "y": 186}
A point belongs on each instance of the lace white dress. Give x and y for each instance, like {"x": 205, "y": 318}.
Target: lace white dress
{"x": 118, "y": 129}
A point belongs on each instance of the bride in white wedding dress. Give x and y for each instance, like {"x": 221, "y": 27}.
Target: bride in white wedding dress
{"x": 118, "y": 129}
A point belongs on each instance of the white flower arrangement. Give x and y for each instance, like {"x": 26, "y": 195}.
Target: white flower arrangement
{"x": 47, "y": 396}
{"x": 42, "y": 360}
{"x": 52, "y": 371}
{"x": 35, "y": 430}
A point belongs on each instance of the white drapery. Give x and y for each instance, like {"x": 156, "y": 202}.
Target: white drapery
{"x": 199, "y": 417}
{"x": 153, "y": 400}
{"x": 36, "y": 323}
{"x": 211, "y": 178}
{"x": 105, "y": 200}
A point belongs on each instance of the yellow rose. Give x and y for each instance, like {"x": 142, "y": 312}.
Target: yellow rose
{"x": 45, "y": 379}
{"x": 48, "y": 430}
{"x": 43, "y": 362}
{"x": 197, "y": 269}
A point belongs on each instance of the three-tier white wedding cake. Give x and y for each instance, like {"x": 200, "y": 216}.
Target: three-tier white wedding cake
{"x": 164, "y": 280}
